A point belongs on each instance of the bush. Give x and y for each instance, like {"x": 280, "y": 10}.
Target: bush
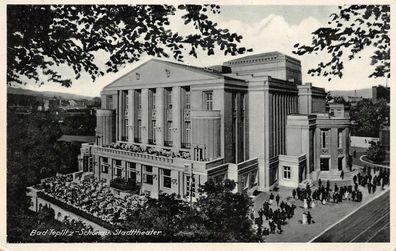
{"x": 375, "y": 152}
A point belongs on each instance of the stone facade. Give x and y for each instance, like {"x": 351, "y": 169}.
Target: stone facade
{"x": 239, "y": 121}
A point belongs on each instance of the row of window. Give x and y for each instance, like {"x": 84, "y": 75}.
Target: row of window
{"x": 324, "y": 139}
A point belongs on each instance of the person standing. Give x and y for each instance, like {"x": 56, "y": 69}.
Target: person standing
{"x": 309, "y": 217}
{"x": 319, "y": 182}
{"x": 369, "y": 187}
{"x": 277, "y": 198}
{"x": 271, "y": 199}
{"x": 342, "y": 174}
{"x": 294, "y": 193}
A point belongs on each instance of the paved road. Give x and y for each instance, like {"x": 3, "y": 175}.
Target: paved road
{"x": 371, "y": 223}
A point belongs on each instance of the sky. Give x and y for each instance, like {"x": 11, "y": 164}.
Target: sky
{"x": 264, "y": 28}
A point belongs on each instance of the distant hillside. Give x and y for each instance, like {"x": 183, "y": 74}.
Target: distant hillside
{"x": 365, "y": 93}
{"x": 47, "y": 94}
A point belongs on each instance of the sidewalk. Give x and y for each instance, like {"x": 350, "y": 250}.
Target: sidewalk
{"x": 323, "y": 215}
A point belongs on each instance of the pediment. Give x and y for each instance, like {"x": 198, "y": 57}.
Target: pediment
{"x": 157, "y": 72}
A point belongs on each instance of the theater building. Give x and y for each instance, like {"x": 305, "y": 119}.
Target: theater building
{"x": 170, "y": 127}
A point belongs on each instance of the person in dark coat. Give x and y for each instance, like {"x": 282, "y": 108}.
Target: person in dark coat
{"x": 294, "y": 193}
{"x": 354, "y": 179}
{"x": 277, "y": 198}
{"x": 309, "y": 217}
{"x": 319, "y": 183}
{"x": 369, "y": 187}
{"x": 342, "y": 174}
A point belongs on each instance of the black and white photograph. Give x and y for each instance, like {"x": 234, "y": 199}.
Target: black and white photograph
{"x": 197, "y": 123}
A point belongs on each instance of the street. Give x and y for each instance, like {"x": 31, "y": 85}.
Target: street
{"x": 371, "y": 223}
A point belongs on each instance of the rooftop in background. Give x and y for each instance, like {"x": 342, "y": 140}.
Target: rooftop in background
{"x": 77, "y": 138}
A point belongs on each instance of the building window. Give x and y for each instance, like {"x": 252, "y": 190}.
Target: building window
{"x": 252, "y": 179}
{"x": 188, "y": 100}
{"x": 139, "y": 99}
{"x": 117, "y": 171}
{"x": 340, "y": 138}
{"x": 244, "y": 181}
{"x": 148, "y": 174}
{"x": 169, "y": 134}
{"x": 154, "y": 99}
{"x": 105, "y": 165}
{"x": 166, "y": 178}
{"x": 286, "y": 172}
{"x": 131, "y": 167}
{"x": 324, "y": 138}
{"x": 139, "y": 136}
{"x": 154, "y": 124}
{"x": 208, "y": 101}
{"x": 340, "y": 160}
{"x": 169, "y": 98}
{"x": 324, "y": 164}
{"x": 109, "y": 102}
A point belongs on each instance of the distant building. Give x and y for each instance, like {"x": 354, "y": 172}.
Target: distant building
{"x": 249, "y": 120}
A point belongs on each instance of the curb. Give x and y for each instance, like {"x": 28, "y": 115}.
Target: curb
{"x": 378, "y": 165}
{"x": 346, "y": 216}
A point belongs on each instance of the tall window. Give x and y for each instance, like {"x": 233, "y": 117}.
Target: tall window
{"x": 188, "y": 100}
{"x": 169, "y": 98}
{"x": 324, "y": 138}
{"x": 169, "y": 132}
{"x": 340, "y": 138}
{"x": 109, "y": 99}
{"x": 188, "y": 132}
{"x": 131, "y": 169}
{"x": 139, "y": 98}
{"x": 148, "y": 174}
{"x": 208, "y": 101}
{"x": 166, "y": 178}
{"x": 105, "y": 165}
{"x": 154, "y": 99}
{"x": 286, "y": 172}
{"x": 154, "y": 124}
{"x": 139, "y": 130}
{"x": 252, "y": 179}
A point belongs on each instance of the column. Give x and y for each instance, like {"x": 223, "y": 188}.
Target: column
{"x": 176, "y": 116}
{"x": 145, "y": 114}
{"x": 131, "y": 115}
{"x": 160, "y": 117}
{"x": 120, "y": 115}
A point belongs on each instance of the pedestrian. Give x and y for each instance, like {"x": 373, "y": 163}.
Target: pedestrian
{"x": 294, "y": 193}
{"x": 342, "y": 174}
{"x": 277, "y": 198}
{"x": 369, "y": 188}
{"x": 271, "y": 199}
{"x": 319, "y": 182}
{"x": 309, "y": 217}
{"x": 374, "y": 188}
{"x": 354, "y": 179}
{"x": 328, "y": 185}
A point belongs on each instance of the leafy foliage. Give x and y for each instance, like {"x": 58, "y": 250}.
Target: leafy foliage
{"x": 368, "y": 117}
{"x": 350, "y": 31}
{"x": 375, "y": 152}
{"x": 43, "y": 37}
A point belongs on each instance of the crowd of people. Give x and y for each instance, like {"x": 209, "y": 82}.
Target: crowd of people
{"x": 93, "y": 197}
{"x": 270, "y": 220}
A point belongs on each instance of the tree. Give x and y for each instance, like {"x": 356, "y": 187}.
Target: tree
{"x": 41, "y": 38}
{"x": 350, "y": 31}
{"x": 369, "y": 117}
{"x": 375, "y": 152}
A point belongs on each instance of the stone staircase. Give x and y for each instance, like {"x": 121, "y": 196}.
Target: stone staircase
{"x": 336, "y": 175}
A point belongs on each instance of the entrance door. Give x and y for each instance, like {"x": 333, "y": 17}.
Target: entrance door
{"x": 324, "y": 164}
